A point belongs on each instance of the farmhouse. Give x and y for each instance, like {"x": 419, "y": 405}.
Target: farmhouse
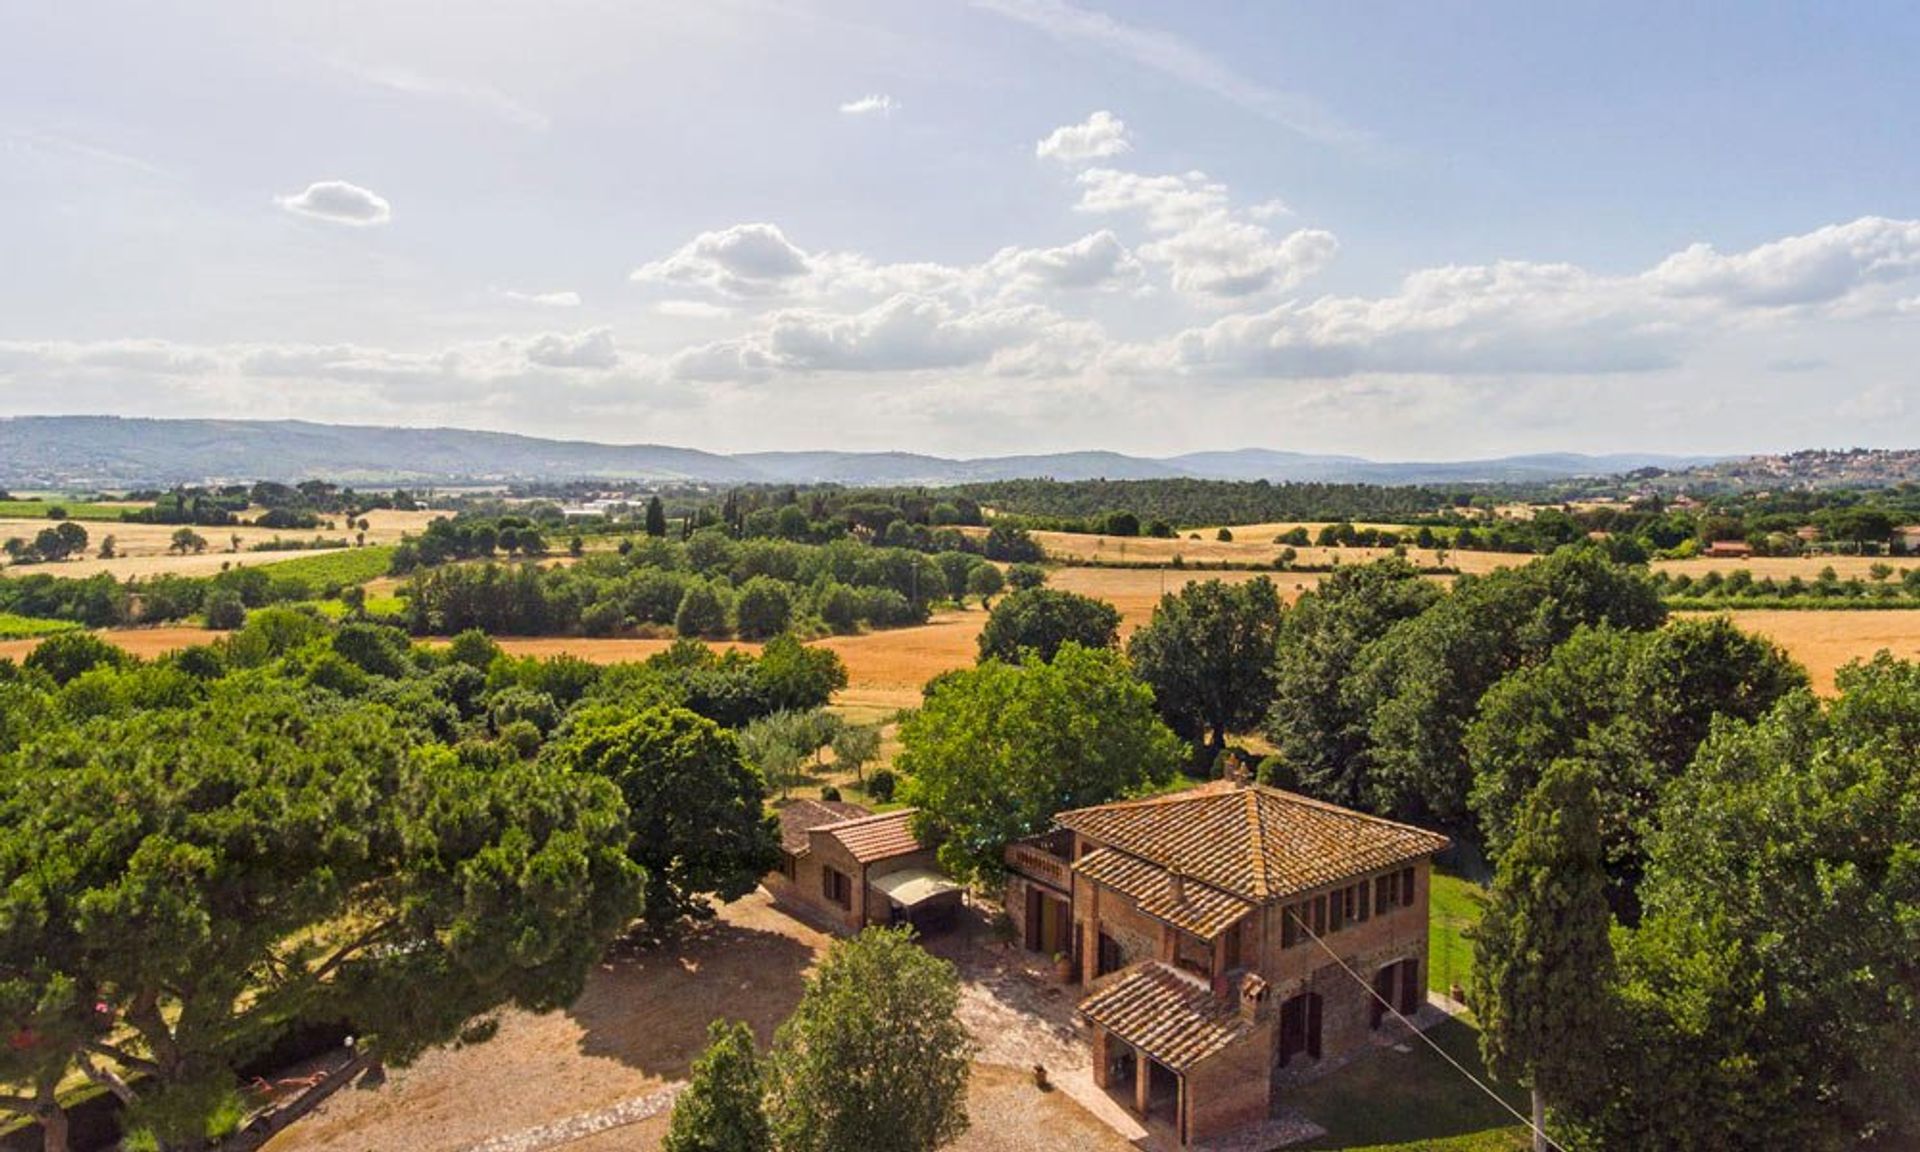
{"x": 1735, "y": 549}
{"x": 842, "y": 864}
{"x": 1906, "y": 540}
{"x": 1223, "y": 933}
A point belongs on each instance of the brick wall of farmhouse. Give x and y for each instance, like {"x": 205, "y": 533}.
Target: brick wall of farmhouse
{"x": 1231, "y": 1090}
{"x": 1120, "y": 919}
{"x": 807, "y": 888}
{"x": 1382, "y": 940}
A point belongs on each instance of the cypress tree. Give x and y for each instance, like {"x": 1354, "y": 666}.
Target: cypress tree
{"x": 1542, "y": 957}
{"x": 656, "y": 518}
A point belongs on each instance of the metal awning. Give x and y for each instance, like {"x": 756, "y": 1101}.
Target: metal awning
{"x": 910, "y": 887}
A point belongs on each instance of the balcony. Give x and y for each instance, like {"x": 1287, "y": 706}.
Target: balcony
{"x": 1037, "y": 858}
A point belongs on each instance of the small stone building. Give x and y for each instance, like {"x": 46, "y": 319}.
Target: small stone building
{"x": 1223, "y": 933}
{"x": 846, "y": 866}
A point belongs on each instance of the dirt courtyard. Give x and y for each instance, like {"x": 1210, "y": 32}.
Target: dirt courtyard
{"x": 635, "y": 1032}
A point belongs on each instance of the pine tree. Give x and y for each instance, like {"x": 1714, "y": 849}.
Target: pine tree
{"x": 720, "y": 1110}
{"x": 1542, "y": 957}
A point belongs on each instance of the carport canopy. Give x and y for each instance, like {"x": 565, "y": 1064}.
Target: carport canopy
{"x": 911, "y": 887}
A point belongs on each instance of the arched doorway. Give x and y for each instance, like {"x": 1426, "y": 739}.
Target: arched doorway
{"x": 1300, "y": 1027}
{"x": 1397, "y": 984}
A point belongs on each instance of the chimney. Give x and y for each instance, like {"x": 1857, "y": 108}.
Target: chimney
{"x": 1177, "y": 884}
{"x": 1237, "y": 773}
{"x": 1253, "y": 998}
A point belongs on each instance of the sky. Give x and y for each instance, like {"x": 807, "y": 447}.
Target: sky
{"x": 1419, "y": 230}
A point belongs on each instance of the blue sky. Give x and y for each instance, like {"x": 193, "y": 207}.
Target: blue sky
{"x": 1417, "y": 230}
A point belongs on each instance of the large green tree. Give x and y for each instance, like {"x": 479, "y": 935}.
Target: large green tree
{"x": 1771, "y": 993}
{"x": 1421, "y": 683}
{"x": 1032, "y": 624}
{"x": 997, "y": 749}
{"x": 1635, "y": 706}
{"x": 211, "y": 876}
{"x": 720, "y": 1110}
{"x": 1542, "y": 957}
{"x": 1208, "y": 654}
{"x": 1317, "y": 727}
{"x": 873, "y": 1057}
{"x": 696, "y": 819}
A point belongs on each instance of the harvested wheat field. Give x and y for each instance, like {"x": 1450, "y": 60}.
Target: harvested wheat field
{"x": 1827, "y": 641}
{"x": 1785, "y": 567}
{"x": 1247, "y": 547}
{"x": 145, "y": 643}
{"x": 144, "y": 548}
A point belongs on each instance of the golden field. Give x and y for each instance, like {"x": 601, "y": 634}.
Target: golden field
{"x": 143, "y": 548}
{"x": 887, "y": 668}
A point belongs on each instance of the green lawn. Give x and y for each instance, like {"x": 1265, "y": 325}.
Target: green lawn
{"x": 1454, "y": 907}
{"x": 37, "y": 510}
{"x": 352, "y": 566}
{"x": 14, "y": 627}
{"x": 1412, "y": 1100}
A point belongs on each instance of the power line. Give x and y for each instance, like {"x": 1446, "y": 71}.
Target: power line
{"x": 1541, "y": 1132}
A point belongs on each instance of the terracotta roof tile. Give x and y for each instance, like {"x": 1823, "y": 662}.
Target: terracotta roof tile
{"x": 1172, "y": 1018}
{"x": 1255, "y": 842}
{"x": 871, "y": 838}
{"x": 1187, "y": 904}
{"x": 799, "y": 817}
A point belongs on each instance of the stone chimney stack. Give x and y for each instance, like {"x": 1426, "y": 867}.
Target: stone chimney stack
{"x": 1237, "y": 773}
{"x": 1253, "y": 998}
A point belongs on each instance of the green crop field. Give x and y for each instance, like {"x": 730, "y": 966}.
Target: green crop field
{"x": 352, "y": 566}
{"x": 37, "y": 510}
{"x": 14, "y": 627}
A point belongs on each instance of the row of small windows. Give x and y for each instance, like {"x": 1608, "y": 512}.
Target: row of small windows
{"x": 1333, "y": 911}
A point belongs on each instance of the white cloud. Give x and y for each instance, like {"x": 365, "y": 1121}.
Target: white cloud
{"x": 589, "y": 349}
{"x": 1270, "y": 210}
{"x": 1097, "y": 260}
{"x": 339, "y": 202}
{"x": 1210, "y": 250}
{"x": 1100, "y": 136}
{"x": 744, "y": 260}
{"x": 1173, "y": 57}
{"x": 693, "y": 309}
{"x": 1167, "y": 202}
{"x": 873, "y": 104}
{"x": 1510, "y": 318}
{"x": 544, "y": 299}
{"x": 1817, "y": 267}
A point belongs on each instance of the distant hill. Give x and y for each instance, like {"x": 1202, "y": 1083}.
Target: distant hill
{"x": 107, "y": 452}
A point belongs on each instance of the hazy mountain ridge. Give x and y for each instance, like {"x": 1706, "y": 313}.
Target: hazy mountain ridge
{"x": 109, "y": 451}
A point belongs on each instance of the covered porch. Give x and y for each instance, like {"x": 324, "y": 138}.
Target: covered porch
{"x": 1154, "y": 1028}
{"x": 921, "y": 897}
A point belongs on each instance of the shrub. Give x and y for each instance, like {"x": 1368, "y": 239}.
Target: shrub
{"x": 225, "y": 611}
{"x": 881, "y": 785}
{"x": 1225, "y": 535}
{"x": 763, "y": 608}
{"x": 701, "y": 612}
